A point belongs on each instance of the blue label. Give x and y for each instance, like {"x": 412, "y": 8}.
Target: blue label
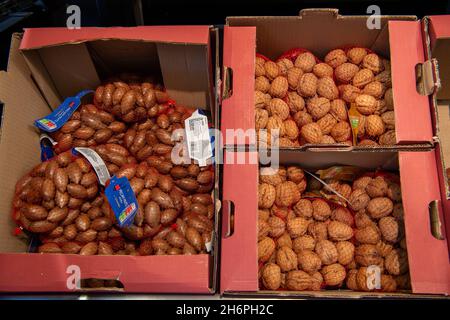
{"x": 60, "y": 115}
{"x": 122, "y": 200}
{"x": 212, "y": 139}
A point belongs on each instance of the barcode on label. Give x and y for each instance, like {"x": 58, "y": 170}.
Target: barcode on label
{"x": 196, "y": 126}
{"x": 199, "y": 148}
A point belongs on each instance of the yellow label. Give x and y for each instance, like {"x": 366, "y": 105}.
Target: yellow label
{"x": 354, "y": 117}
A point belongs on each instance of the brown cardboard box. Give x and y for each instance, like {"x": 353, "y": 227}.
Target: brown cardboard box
{"x": 45, "y": 66}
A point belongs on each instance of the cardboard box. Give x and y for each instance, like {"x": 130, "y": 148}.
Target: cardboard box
{"x": 321, "y": 30}
{"x": 47, "y": 65}
{"x": 427, "y": 253}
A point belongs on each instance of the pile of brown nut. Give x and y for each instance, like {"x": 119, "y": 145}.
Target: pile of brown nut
{"x": 310, "y": 238}
{"x": 133, "y": 129}
{"x": 308, "y": 101}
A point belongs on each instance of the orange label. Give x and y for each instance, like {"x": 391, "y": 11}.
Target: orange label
{"x": 354, "y": 117}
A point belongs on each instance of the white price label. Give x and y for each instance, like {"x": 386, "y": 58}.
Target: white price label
{"x": 97, "y": 163}
{"x": 198, "y": 139}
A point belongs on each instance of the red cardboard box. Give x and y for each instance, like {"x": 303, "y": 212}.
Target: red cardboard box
{"x": 428, "y": 256}
{"x": 47, "y": 65}
{"x": 321, "y": 30}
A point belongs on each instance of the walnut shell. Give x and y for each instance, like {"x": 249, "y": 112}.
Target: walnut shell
{"x": 318, "y": 107}
{"x": 277, "y": 226}
{"x": 346, "y": 252}
{"x": 388, "y": 138}
{"x": 312, "y": 133}
{"x": 271, "y": 70}
{"x": 263, "y": 229}
{"x": 284, "y": 65}
{"x": 318, "y": 230}
{"x": 275, "y": 126}
{"x": 307, "y": 85}
{"x": 295, "y": 174}
{"x": 297, "y": 227}
{"x": 261, "y": 99}
{"x": 335, "y": 58}
{"x": 305, "y": 242}
{"x": 266, "y": 247}
{"x": 262, "y": 84}
{"x": 323, "y": 70}
{"x": 327, "y": 88}
{"x": 345, "y": 72}
{"x": 293, "y": 77}
{"x": 394, "y": 192}
{"x": 377, "y": 187}
{"x": 362, "y": 220}
{"x": 366, "y": 104}
{"x": 309, "y": 261}
{"x": 303, "y": 208}
{"x": 338, "y": 109}
{"x": 396, "y": 262}
{"x": 321, "y": 210}
{"x": 350, "y": 282}
{"x": 389, "y": 229}
{"x": 362, "y": 78}
{"x": 326, "y": 251}
{"x": 388, "y": 283}
{"x": 302, "y": 118}
{"x": 373, "y": 62}
{"x": 261, "y": 118}
{"x": 375, "y": 89}
{"x": 270, "y": 175}
{"x": 290, "y": 129}
{"x": 326, "y": 123}
{"x": 287, "y": 194}
{"x": 367, "y": 254}
{"x": 295, "y": 102}
{"x": 338, "y": 231}
{"x": 298, "y": 280}
{"x": 305, "y": 61}
{"x": 359, "y": 199}
{"x": 284, "y": 240}
{"x": 384, "y": 248}
{"x": 341, "y": 132}
{"x": 389, "y": 99}
{"x": 271, "y": 276}
{"x": 368, "y": 235}
{"x": 356, "y": 55}
{"x": 362, "y": 182}
{"x": 266, "y": 195}
{"x": 317, "y": 281}
{"x": 279, "y": 87}
{"x": 333, "y": 274}
{"x": 286, "y": 259}
{"x": 349, "y": 93}
{"x": 380, "y": 207}
{"x": 374, "y": 126}
{"x": 343, "y": 215}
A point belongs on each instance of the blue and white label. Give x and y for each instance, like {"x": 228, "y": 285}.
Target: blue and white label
{"x": 46, "y": 144}
{"x": 61, "y": 115}
{"x": 122, "y": 200}
{"x": 198, "y": 139}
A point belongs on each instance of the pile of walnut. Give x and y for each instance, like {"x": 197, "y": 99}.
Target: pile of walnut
{"x": 62, "y": 202}
{"x": 308, "y": 100}
{"x": 308, "y": 243}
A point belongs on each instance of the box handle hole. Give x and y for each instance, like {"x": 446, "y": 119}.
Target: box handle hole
{"x": 227, "y": 218}
{"x": 227, "y": 90}
{"x": 435, "y": 220}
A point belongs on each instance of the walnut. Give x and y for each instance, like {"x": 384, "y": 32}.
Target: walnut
{"x": 368, "y": 235}
{"x": 270, "y": 175}
{"x": 318, "y": 230}
{"x": 326, "y": 251}
{"x": 284, "y": 240}
{"x": 373, "y": 62}
{"x": 293, "y": 76}
{"x": 295, "y": 102}
{"x": 277, "y": 226}
{"x": 349, "y": 93}
{"x": 389, "y": 119}
{"x": 389, "y": 99}
{"x": 271, "y": 70}
{"x": 262, "y": 84}
{"x": 317, "y": 281}
{"x": 327, "y": 88}
{"x": 397, "y": 212}
{"x": 309, "y": 261}
{"x": 388, "y": 283}
{"x": 290, "y": 129}
{"x": 375, "y": 89}
{"x": 297, "y": 227}
{"x": 302, "y": 185}
{"x": 356, "y": 55}
{"x": 345, "y": 72}
{"x": 279, "y": 108}
{"x": 279, "y": 87}
{"x": 346, "y": 252}
{"x": 266, "y": 195}
{"x": 312, "y": 133}
{"x": 263, "y": 229}
{"x": 321, "y": 210}
{"x": 363, "y": 77}
{"x": 318, "y": 107}
{"x": 397, "y": 262}
{"x": 259, "y": 70}
{"x": 263, "y": 214}
{"x": 295, "y": 174}
{"x": 389, "y": 228}
{"x": 307, "y": 85}
{"x": 343, "y": 215}
{"x": 271, "y": 276}
{"x": 335, "y": 58}
{"x": 287, "y": 194}
{"x": 298, "y": 280}
{"x": 266, "y": 247}
{"x": 341, "y": 132}
{"x": 338, "y": 231}
{"x": 302, "y": 118}
{"x": 359, "y": 199}
{"x": 377, "y": 187}
{"x": 305, "y": 61}
{"x": 384, "y": 248}
{"x": 351, "y": 280}
{"x": 326, "y": 139}
{"x": 261, "y": 99}
{"x": 366, "y": 104}
{"x": 374, "y": 126}
{"x": 338, "y": 109}
{"x": 362, "y": 220}
{"x": 388, "y": 138}
{"x": 275, "y": 123}
{"x": 394, "y": 192}
{"x": 303, "y": 208}
{"x": 367, "y": 254}
{"x": 305, "y": 242}
{"x": 362, "y": 182}
{"x": 379, "y": 207}
{"x": 284, "y": 65}
{"x": 367, "y": 143}
{"x": 261, "y": 118}
{"x": 334, "y": 274}
{"x": 286, "y": 259}
{"x": 323, "y": 70}
{"x": 326, "y": 123}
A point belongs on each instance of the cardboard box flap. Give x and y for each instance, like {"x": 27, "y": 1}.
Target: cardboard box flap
{"x": 41, "y": 37}
{"x": 17, "y": 92}
{"x": 428, "y": 256}
{"x": 239, "y": 48}
{"x": 239, "y": 260}
{"x": 411, "y": 108}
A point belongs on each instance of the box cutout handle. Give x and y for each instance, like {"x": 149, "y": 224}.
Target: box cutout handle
{"x": 427, "y": 77}
{"x": 227, "y": 218}
{"x": 101, "y": 284}
{"x": 435, "y": 220}
{"x": 227, "y": 90}
{"x": 332, "y": 13}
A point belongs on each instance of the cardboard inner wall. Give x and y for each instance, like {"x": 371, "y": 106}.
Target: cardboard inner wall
{"x": 63, "y": 70}
{"x": 319, "y": 32}
{"x": 19, "y": 141}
